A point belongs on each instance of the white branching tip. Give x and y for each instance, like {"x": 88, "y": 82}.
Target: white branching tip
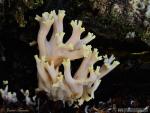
{"x": 43, "y": 58}
{"x": 14, "y": 94}
{"x": 47, "y": 18}
{"x": 96, "y": 50}
{"x": 77, "y": 24}
{"x": 60, "y": 34}
{"x": 61, "y": 14}
{"x": 80, "y": 101}
{"x": 51, "y": 65}
{"x": 99, "y": 58}
{"x": 109, "y": 62}
{"x": 91, "y": 69}
{"x": 53, "y": 13}
{"x": 34, "y": 97}
{"x": 5, "y": 82}
{"x": 22, "y": 91}
{"x": 37, "y": 58}
{"x": 66, "y": 62}
{"x": 95, "y": 53}
{"x": 26, "y": 93}
{"x": 97, "y": 71}
{"x": 32, "y": 43}
{"x": 112, "y": 58}
{"x": 86, "y": 50}
{"x": 60, "y": 43}
{"x": 90, "y": 36}
{"x": 106, "y": 62}
{"x": 60, "y": 77}
{"x": 105, "y": 57}
{"x": 38, "y": 18}
{"x": 9, "y": 94}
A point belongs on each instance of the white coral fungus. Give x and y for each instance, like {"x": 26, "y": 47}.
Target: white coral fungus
{"x": 10, "y": 97}
{"x": 53, "y": 53}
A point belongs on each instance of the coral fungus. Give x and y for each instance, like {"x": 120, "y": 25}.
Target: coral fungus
{"x": 53, "y": 53}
